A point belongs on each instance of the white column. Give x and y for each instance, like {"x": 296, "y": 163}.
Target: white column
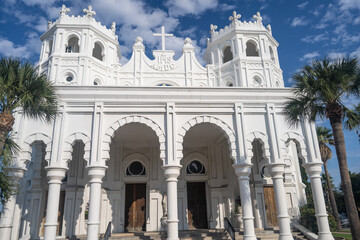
{"x": 96, "y": 174}
{"x": 55, "y": 175}
{"x": 276, "y": 171}
{"x": 7, "y": 216}
{"x": 171, "y": 173}
{"x": 242, "y": 171}
{"x": 314, "y": 170}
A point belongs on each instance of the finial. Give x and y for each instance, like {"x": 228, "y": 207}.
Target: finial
{"x": 257, "y": 17}
{"x": 113, "y": 27}
{"x": 49, "y": 24}
{"x": 212, "y": 28}
{"x": 64, "y": 10}
{"x": 89, "y": 12}
{"x": 187, "y": 41}
{"x": 234, "y": 18}
{"x": 139, "y": 40}
{"x": 268, "y": 27}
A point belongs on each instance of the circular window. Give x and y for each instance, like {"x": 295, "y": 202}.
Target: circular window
{"x": 96, "y": 83}
{"x": 135, "y": 169}
{"x": 69, "y": 78}
{"x": 164, "y": 85}
{"x": 195, "y": 167}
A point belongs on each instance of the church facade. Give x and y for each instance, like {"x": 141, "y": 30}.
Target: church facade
{"x": 159, "y": 144}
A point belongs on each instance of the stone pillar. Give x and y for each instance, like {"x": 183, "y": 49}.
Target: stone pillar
{"x": 96, "y": 174}
{"x": 171, "y": 173}
{"x": 242, "y": 171}
{"x": 55, "y": 175}
{"x": 7, "y": 216}
{"x": 276, "y": 171}
{"x": 314, "y": 170}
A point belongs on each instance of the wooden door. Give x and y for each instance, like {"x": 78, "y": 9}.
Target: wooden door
{"x": 135, "y": 207}
{"x": 270, "y": 206}
{"x": 196, "y": 197}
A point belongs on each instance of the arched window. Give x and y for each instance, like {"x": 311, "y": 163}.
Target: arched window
{"x": 195, "y": 167}
{"x": 251, "y": 49}
{"x": 229, "y": 84}
{"x": 97, "y": 82}
{"x": 272, "y": 54}
{"x": 73, "y": 45}
{"x": 228, "y": 56}
{"x": 164, "y": 85}
{"x": 136, "y": 168}
{"x": 98, "y": 51}
{"x": 50, "y": 47}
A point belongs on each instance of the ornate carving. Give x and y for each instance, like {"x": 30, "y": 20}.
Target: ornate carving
{"x": 64, "y": 10}
{"x": 257, "y": 17}
{"x": 89, "y": 12}
{"x": 213, "y": 28}
{"x": 113, "y": 27}
{"x": 235, "y": 17}
{"x": 163, "y": 61}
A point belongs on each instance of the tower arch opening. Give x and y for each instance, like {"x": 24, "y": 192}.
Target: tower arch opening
{"x": 72, "y": 45}
{"x": 252, "y": 49}
{"x": 227, "y": 54}
{"x": 98, "y": 51}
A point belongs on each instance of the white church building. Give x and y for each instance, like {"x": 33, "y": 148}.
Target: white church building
{"x": 161, "y": 144}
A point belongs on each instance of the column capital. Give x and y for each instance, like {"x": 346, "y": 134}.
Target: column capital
{"x": 276, "y": 169}
{"x": 171, "y": 172}
{"x": 313, "y": 169}
{"x": 96, "y": 173}
{"x": 242, "y": 170}
{"x": 55, "y": 173}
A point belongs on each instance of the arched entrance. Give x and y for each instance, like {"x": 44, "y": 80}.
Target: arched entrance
{"x": 207, "y": 183}
{"x": 132, "y": 193}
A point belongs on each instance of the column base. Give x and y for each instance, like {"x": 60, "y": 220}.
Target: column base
{"x": 286, "y": 237}
{"x": 250, "y": 237}
{"x": 325, "y": 236}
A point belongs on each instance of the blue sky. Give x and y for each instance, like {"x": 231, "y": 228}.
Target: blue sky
{"x": 305, "y": 29}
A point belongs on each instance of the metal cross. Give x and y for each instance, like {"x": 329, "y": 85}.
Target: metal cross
{"x": 64, "y": 10}
{"x": 212, "y": 28}
{"x": 234, "y": 18}
{"x": 257, "y": 17}
{"x": 89, "y": 12}
{"x": 162, "y": 35}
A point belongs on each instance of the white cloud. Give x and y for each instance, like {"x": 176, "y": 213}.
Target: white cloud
{"x": 336, "y": 55}
{"x": 310, "y": 56}
{"x": 10, "y": 49}
{"x": 320, "y": 26}
{"x": 314, "y": 38}
{"x": 349, "y": 4}
{"x": 195, "y": 7}
{"x": 355, "y": 53}
{"x": 266, "y": 19}
{"x": 299, "y": 21}
{"x": 303, "y": 5}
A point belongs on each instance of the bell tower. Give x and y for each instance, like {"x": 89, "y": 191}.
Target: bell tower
{"x": 78, "y": 50}
{"x": 244, "y": 54}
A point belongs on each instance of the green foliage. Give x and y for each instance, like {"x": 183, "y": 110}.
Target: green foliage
{"x": 6, "y": 186}
{"x": 355, "y": 181}
{"x": 321, "y": 84}
{"x": 22, "y": 87}
{"x": 308, "y": 218}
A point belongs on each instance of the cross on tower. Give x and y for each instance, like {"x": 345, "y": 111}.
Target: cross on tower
{"x": 64, "y": 10}
{"x": 212, "y": 28}
{"x": 162, "y": 35}
{"x": 89, "y": 12}
{"x": 234, "y": 18}
{"x": 257, "y": 17}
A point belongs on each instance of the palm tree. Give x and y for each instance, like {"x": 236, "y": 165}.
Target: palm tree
{"x": 23, "y": 89}
{"x": 321, "y": 90}
{"x": 326, "y": 137}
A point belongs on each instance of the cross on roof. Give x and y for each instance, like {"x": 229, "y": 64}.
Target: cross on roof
{"x": 212, "y": 28}
{"x": 257, "y": 17}
{"x": 89, "y": 12}
{"x": 64, "y": 10}
{"x": 162, "y": 35}
{"x": 234, "y": 17}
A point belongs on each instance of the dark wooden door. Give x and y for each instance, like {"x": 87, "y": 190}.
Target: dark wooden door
{"x": 135, "y": 207}
{"x": 270, "y": 206}
{"x": 196, "y": 197}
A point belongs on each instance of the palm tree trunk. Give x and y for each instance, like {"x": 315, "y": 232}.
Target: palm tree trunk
{"x": 332, "y": 198}
{"x": 351, "y": 209}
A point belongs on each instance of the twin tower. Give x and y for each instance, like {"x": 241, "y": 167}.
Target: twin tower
{"x": 78, "y": 50}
